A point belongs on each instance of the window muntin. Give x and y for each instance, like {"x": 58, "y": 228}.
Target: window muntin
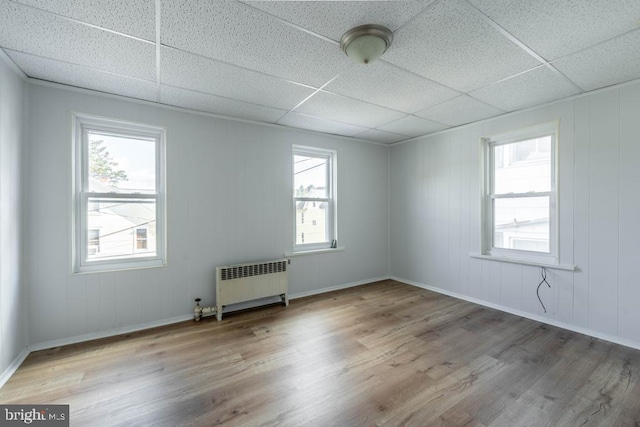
{"x": 118, "y": 190}
{"x": 520, "y": 214}
{"x": 313, "y": 198}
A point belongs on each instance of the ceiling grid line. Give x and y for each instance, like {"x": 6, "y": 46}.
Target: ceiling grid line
{"x": 519, "y": 43}
{"x": 74, "y": 64}
{"x": 288, "y": 23}
{"x": 166, "y": 46}
{"x": 279, "y": 121}
{"x": 307, "y": 98}
{"x": 158, "y": 48}
{"x": 77, "y": 21}
{"x": 452, "y": 62}
{"x": 216, "y": 96}
{"x": 618, "y": 36}
{"x": 416, "y": 16}
{"x": 391, "y": 64}
{"x": 502, "y": 31}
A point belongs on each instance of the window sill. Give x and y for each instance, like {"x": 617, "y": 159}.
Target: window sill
{"x": 109, "y": 268}
{"x": 314, "y": 251}
{"x": 566, "y": 267}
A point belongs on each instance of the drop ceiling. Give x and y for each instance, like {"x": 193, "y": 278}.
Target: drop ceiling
{"x": 452, "y": 62}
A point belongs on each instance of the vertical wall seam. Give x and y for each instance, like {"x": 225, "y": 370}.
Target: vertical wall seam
{"x": 619, "y": 204}
{"x": 573, "y": 215}
{"x": 589, "y": 213}
{"x": 389, "y": 210}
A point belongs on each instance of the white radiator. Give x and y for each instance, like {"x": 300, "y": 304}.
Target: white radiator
{"x": 246, "y": 282}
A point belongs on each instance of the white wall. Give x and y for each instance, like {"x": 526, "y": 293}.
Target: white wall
{"x": 229, "y": 201}
{"x": 13, "y": 331}
{"x": 220, "y": 170}
{"x": 435, "y": 216}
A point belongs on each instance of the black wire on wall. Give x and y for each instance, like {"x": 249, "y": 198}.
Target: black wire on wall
{"x": 543, "y": 273}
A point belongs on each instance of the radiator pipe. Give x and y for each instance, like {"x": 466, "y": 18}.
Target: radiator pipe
{"x": 199, "y": 312}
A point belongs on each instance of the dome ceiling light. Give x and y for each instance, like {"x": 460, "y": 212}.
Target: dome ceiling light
{"x": 366, "y": 43}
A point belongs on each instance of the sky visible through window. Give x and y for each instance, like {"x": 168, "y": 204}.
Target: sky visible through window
{"x": 136, "y": 157}
{"x": 310, "y": 171}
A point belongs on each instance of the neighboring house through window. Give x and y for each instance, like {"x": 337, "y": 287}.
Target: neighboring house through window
{"x": 93, "y": 238}
{"x": 141, "y": 238}
{"x": 119, "y": 195}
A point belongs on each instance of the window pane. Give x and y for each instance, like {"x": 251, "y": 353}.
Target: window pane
{"x": 523, "y": 166}
{"x": 310, "y": 176}
{"x": 311, "y": 222}
{"x": 117, "y": 223}
{"x": 121, "y": 164}
{"x": 521, "y": 223}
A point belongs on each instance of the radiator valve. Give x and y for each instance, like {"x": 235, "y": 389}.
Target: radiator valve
{"x": 197, "y": 311}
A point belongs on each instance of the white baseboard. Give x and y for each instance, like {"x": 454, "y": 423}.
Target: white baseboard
{"x": 607, "y": 337}
{"x": 139, "y": 327}
{"x": 13, "y": 367}
{"x": 109, "y": 333}
{"x": 148, "y": 325}
{"x": 276, "y": 299}
{"x": 337, "y": 288}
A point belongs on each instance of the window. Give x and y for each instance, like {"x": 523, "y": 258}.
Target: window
{"x": 313, "y": 198}
{"x": 141, "y": 238}
{"x": 119, "y": 195}
{"x": 94, "y": 241}
{"x": 520, "y": 196}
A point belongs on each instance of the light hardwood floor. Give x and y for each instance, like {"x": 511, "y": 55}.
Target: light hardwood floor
{"x": 379, "y": 354}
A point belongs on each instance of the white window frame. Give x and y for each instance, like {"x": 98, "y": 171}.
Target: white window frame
{"x": 81, "y": 125}
{"x": 330, "y": 200}
{"x": 488, "y": 197}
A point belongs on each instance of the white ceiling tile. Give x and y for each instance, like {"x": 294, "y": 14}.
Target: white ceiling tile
{"x": 555, "y": 28}
{"x": 198, "y": 73}
{"x": 83, "y": 77}
{"x": 215, "y": 104}
{"x": 454, "y": 46}
{"x": 412, "y": 126}
{"x": 534, "y": 87}
{"x": 235, "y": 33}
{"x": 244, "y": 60}
{"x": 347, "y": 110}
{"x": 606, "y": 64}
{"x": 319, "y": 124}
{"x": 333, "y": 18}
{"x": 40, "y": 33}
{"x": 375, "y": 135}
{"x": 387, "y": 85}
{"x": 459, "y": 111}
{"x": 134, "y": 17}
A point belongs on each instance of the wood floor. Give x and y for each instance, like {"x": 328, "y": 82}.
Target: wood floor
{"x": 380, "y": 354}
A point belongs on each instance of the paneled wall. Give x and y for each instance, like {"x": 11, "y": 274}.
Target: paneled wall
{"x": 435, "y": 216}
{"x": 229, "y": 201}
{"x": 13, "y": 331}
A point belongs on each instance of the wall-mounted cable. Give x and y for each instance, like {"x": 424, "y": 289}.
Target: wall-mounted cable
{"x": 543, "y": 273}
